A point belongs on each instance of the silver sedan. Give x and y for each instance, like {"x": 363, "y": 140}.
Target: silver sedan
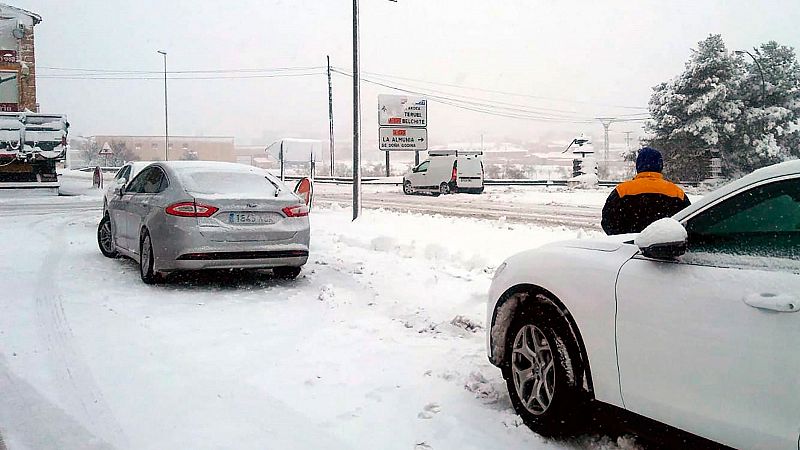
{"x": 191, "y": 215}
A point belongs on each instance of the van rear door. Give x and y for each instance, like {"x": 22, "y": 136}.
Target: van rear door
{"x": 470, "y": 172}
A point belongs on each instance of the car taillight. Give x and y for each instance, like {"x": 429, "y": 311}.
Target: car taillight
{"x": 455, "y": 174}
{"x": 296, "y": 211}
{"x": 191, "y": 209}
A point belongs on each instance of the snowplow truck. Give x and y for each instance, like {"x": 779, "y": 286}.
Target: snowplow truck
{"x": 30, "y": 146}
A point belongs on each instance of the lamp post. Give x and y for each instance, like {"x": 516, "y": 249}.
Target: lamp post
{"x": 166, "y": 113}
{"x": 760, "y": 72}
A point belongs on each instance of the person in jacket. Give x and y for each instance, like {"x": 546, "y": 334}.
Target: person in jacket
{"x": 635, "y": 204}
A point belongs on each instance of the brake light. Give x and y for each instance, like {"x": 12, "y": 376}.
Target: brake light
{"x": 190, "y": 209}
{"x": 455, "y": 173}
{"x": 296, "y": 211}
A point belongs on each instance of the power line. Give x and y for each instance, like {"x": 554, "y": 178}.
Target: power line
{"x": 482, "y": 106}
{"x": 516, "y": 94}
{"x": 145, "y": 72}
{"x": 210, "y": 77}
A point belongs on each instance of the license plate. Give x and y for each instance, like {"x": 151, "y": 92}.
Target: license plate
{"x": 251, "y": 218}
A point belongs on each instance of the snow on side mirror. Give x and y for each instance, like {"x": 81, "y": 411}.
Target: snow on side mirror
{"x": 663, "y": 239}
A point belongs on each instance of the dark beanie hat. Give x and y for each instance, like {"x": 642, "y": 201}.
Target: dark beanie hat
{"x": 649, "y": 160}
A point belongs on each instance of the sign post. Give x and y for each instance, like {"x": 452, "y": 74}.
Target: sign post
{"x": 402, "y": 125}
{"x": 106, "y": 151}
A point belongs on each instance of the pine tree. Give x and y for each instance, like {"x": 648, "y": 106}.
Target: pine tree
{"x": 769, "y": 131}
{"x": 696, "y": 113}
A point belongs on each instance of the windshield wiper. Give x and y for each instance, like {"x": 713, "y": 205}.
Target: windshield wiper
{"x": 277, "y": 188}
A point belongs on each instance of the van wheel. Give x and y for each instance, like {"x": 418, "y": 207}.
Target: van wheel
{"x": 444, "y": 188}
{"x": 407, "y": 188}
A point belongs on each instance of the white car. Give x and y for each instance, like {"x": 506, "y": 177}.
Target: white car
{"x": 446, "y": 171}
{"x": 123, "y": 176}
{"x": 692, "y": 323}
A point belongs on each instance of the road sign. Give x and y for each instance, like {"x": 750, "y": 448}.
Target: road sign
{"x": 106, "y": 150}
{"x": 403, "y": 139}
{"x": 402, "y": 111}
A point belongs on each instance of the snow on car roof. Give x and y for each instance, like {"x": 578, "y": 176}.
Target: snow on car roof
{"x": 211, "y": 166}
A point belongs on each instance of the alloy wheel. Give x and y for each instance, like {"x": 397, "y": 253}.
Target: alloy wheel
{"x": 533, "y": 369}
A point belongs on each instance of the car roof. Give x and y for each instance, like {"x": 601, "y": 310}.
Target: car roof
{"x": 774, "y": 171}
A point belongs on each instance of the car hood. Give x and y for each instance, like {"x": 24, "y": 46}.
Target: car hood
{"x": 602, "y": 244}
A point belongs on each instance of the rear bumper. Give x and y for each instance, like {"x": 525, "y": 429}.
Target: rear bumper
{"x": 179, "y": 245}
{"x": 247, "y": 263}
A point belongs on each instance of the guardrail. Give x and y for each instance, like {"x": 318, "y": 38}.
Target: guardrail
{"x": 487, "y": 181}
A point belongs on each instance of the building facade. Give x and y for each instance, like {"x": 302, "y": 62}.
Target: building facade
{"x": 151, "y": 148}
{"x": 17, "y": 59}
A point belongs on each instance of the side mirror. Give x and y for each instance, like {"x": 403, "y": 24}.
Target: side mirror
{"x": 119, "y": 188}
{"x": 663, "y": 239}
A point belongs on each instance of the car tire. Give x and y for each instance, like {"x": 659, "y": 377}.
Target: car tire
{"x": 444, "y": 188}
{"x": 105, "y": 238}
{"x": 286, "y": 273}
{"x": 146, "y": 260}
{"x": 407, "y": 188}
{"x": 542, "y": 374}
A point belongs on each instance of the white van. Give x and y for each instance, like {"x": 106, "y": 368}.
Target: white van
{"x": 446, "y": 171}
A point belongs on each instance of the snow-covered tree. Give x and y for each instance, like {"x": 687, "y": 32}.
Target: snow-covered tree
{"x": 769, "y": 131}
{"x": 698, "y": 111}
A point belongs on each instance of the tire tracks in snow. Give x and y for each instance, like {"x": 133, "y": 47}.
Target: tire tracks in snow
{"x": 70, "y": 373}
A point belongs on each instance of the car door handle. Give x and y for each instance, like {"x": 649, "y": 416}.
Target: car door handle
{"x": 773, "y": 302}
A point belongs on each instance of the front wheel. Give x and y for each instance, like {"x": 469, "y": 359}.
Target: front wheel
{"x": 407, "y": 188}
{"x": 542, "y": 372}
{"x": 105, "y": 238}
{"x": 286, "y": 273}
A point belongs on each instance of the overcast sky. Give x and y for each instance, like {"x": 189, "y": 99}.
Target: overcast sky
{"x": 593, "y": 55}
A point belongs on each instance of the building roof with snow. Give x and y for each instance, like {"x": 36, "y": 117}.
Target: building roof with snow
{"x": 8, "y": 10}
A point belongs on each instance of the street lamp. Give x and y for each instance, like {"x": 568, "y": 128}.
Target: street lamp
{"x": 760, "y": 72}
{"x": 166, "y": 114}
{"x": 356, "y": 118}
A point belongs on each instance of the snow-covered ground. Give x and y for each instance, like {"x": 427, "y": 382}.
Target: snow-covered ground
{"x": 378, "y": 344}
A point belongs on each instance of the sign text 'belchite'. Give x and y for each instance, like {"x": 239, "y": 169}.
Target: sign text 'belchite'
{"x": 402, "y": 111}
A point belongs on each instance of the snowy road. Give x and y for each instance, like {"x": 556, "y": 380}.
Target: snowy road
{"x": 378, "y": 344}
{"x": 527, "y": 205}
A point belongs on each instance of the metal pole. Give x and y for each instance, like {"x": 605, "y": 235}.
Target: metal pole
{"x": 330, "y": 117}
{"x": 356, "y": 118}
{"x": 166, "y": 111}
{"x": 387, "y": 165}
{"x": 281, "y": 158}
{"x": 760, "y": 72}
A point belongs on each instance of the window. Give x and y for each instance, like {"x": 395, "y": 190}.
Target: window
{"x": 423, "y": 167}
{"x": 149, "y": 181}
{"x": 123, "y": 173}
{"x": 762, "y": 221}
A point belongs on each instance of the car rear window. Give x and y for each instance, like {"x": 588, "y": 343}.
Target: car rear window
{"x": 224, "y": 182}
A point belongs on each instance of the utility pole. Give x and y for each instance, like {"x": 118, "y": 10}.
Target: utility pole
{"x": 356, "y": 118}
{"x": 628, "y": 140}
{"x": 606, "y": 121}
{"x": 166, "y": 113}
{"x": 330, "y": 117}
